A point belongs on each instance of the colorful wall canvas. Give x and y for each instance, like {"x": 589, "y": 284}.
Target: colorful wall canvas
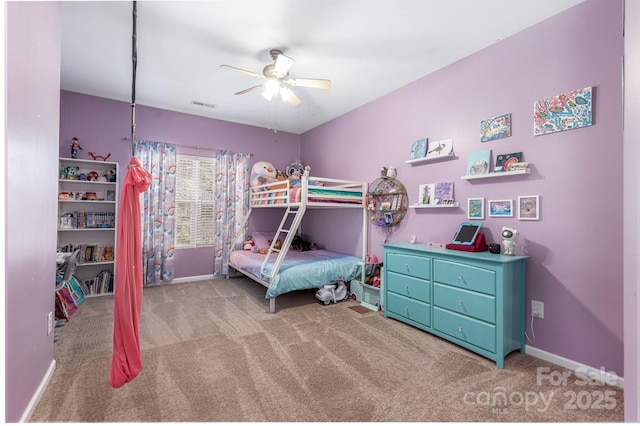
{"x": 419, "y": 148}
{"x": 495, "y": 128}
{"x": 568, "y": 111}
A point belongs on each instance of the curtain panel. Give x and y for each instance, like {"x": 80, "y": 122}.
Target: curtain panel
{"x": 157, "y": 212}
{"x": 232, "y": 204}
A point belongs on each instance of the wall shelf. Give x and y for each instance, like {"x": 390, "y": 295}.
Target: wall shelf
{"x": 451, "y": 156}
{"x": 434, "y": 206}
{"x": 496, "y": 175}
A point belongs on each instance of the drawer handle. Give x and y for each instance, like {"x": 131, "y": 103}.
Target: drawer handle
{"x": 461, "y": 278}
{"x": 460, "y": 302}
{"x": 459, "y": 329}
{"x": 406, "y": 266}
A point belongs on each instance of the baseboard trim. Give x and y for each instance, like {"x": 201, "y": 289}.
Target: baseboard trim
{"x": 191, "y": 279}
{"x": 28, "y": 412}
{"x": 587, "y": 370}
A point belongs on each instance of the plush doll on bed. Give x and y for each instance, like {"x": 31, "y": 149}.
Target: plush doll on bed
{"x": 262, "y": 172}
{"x": 295, "y": 171}
{"x": 277, "y": 246}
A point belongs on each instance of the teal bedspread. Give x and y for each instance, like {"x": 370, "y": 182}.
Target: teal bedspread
{"x": 300, "y": 270}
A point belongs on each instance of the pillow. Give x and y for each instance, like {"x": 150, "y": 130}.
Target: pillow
{"x": 262, "y": 239}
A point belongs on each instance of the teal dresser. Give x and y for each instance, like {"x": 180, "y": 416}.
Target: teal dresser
{"x": 475, "y": 300}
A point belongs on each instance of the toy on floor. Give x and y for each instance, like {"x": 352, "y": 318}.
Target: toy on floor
{"x": 333, "y": 292}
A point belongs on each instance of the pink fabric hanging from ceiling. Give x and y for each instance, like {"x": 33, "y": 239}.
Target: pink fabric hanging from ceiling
{"x": 126, "y": 362}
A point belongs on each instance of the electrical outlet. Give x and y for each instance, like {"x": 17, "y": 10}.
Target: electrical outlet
{"x": 537, "y": 309}
{"x": 49, "y": 323}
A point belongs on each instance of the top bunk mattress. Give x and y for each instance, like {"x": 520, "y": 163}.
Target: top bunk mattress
{"x": 319, "y": 191}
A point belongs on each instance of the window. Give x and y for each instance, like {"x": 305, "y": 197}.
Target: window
{"x": 195, "y": 202}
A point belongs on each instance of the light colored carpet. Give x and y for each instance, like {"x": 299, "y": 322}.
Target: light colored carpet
{"x": 211, "y": 352}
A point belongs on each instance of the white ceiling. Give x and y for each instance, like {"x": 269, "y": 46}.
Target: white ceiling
{"x": 367, "y": 48}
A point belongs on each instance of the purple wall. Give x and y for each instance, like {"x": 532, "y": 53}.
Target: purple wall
{"x": 576, "y": 248}
{"x": 631, "y": 211}
{"x": 31, "y": 170}
{"x": 101, "y": 124}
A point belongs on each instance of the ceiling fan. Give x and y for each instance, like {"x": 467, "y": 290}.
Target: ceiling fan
{"x": 278, "y": 79}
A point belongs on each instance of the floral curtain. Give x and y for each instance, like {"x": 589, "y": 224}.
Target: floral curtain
{"x": 158, "y": 205}
{"x": 232, "y": 203}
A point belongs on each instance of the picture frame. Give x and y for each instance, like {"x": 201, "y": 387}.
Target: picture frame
{"x": 110, "y": 195}
{"x": 426, "y": 193}
{"x": 443, "y": 148}
{"x": 529, "y": 207}
{"x": 500, "y": 208}
{"x": 419, "y": 148}
{"x": 475, "y": 208}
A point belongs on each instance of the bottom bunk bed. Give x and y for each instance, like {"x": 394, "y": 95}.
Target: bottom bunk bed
{"x": 300, "y": 270}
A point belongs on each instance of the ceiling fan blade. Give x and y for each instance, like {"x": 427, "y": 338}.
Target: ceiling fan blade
{"x": 283, "y": 65}
{"x": 240, "y": 70}
{"x": 290, "y": 97}
{"x": 250, "y": 89}
{"x": 317, "y": 83}
{"x": 293, "y": 100}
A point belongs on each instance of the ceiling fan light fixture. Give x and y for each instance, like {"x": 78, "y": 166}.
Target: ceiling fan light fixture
{"x": 271, "y": 87}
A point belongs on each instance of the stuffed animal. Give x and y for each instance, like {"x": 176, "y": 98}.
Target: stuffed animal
{"x": 262, "y": 172}
{"x": 277, "y": 246}
{"x": 249, "y": 244}
{"x": 70, "y": 172}
{"x": 294, "y": 172}
{"x": 299, "y": 244}
{"x": 110, "y": 175}
{"x": 280, "y": 177}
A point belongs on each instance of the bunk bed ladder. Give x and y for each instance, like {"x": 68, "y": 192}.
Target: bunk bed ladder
{"x": 288, "y": 226}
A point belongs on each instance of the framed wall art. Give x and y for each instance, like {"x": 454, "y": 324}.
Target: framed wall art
{"x": 500, "y": 208}
{"x": 529, "y": 207}
{"x": 475, "y": 208}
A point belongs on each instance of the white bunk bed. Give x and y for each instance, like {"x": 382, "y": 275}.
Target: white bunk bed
{"x": 283, "y": 270}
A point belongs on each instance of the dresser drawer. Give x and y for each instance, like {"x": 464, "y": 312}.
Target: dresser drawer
{"x": 416, "y": 266}
{"x": 465, "y": 302}
{"x": 464, "y": 276}
{"x": 467, "y": 329}
{"x": 409, "y": 308}
{"x": 409, "y": 286}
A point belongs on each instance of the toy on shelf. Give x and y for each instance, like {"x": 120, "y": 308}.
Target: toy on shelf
{"x": 70, "y": 172}
{"x": 95, "y": 157}
{"x": 75, "y": 146}
{"x": 508, "y": 240}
